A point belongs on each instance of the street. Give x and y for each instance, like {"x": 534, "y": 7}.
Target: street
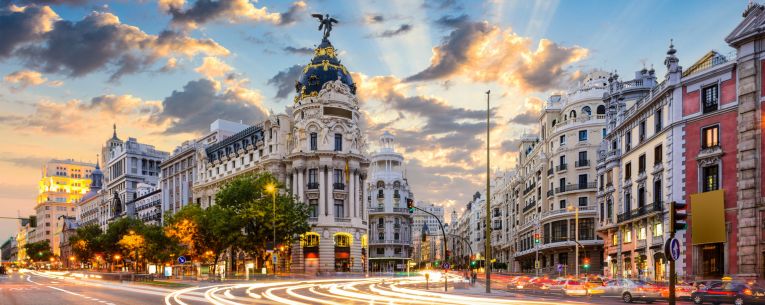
{"x": 33, "y": 288}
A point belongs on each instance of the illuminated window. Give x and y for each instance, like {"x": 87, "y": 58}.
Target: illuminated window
{"x": 711, "y": 178}
{"x": 641, "y": 233}
{"x": 342, "y": 240}
{"x": 311, "y": 240}
{"x": 658, "y": 229}
{"x": 627, "y": 236}
{"x": 710, "y": 137}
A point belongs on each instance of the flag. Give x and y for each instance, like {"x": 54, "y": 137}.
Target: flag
{"x": 347, "y": 172}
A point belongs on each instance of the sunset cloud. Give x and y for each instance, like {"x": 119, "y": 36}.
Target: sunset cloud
{"x": 484, "y": 52}
{"x": 212, "y": 67}
{"x": 233, "y": 11}
{"x": 22, "y": 79}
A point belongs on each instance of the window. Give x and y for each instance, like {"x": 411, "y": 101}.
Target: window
{"x": 397, "y": 251}
{"x": 314, "y": 141}
{"x": 657, "y": 192}
{"x": 658, "y": 229}
{"x": 572, "y": 114}
{"x": 582, "y": 201}
{"x": 586, "y": 110}
{"x": 710, "y": 137}
{"x": 627, "y": 141}
{"x": 614, "y": 239}
{"x": 627, "y": 171}
{"x": 582, "y": 158}
{"x": 658, "y": 120}
{"x": 711, "y": 178}
{"x": 562, "y": 204}
{"x": 709, "y": 98}
{"x": 380, "y": 251}
{"x": 657, "y": 155}
{"x": 339, "y": 208}
{"x": 562, "y": 184}
{"x": 338, "y": 142}
{"x": 641, "y": 233}
{"x": 604, "y": 132}
{"x": 627, "y": 236}
{"x": 563, "y": 140}
{"x": 396, "y": 236}
{"x": 627, "y": 202}
{"x": 562, "y": 160}
{"x": 313, "y": 208}
{"x": 583, "y": 181}
{"x": 641, "y": 164}
{"x": 641, "y": 132}
{"x": 313, "y": 182}
{"x": 338, "y": 176}
{"x": 583, "y": 135}
{"x": 641, "y": 197}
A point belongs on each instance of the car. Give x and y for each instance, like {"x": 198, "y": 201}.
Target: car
{"x": 632, "y": 290}
{"x": 594, "y": 286}
{"x": 738, "y": 293}
{"x": 540, "y": 283}
{"x": 519, "y": 283}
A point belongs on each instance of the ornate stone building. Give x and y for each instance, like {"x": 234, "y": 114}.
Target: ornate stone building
{"x": 390, "y": 224}
{"x": 317, "y": 150}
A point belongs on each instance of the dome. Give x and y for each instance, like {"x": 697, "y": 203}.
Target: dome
{"x": 324, "y": 67}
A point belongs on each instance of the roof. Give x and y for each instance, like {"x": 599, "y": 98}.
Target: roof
{"x": 752, "y": 25}
{"x": 256, "y": 130}
{"x": 324, "y": 67}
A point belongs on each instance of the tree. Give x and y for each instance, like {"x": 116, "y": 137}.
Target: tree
{"x": 246, "y": 196}
{"x": 205, "y": 233}
{"x": 159, "y": 247}
{"x": 115, "y": 232}
{"x": 39, "y": 251}
{"x": 86, "y": 242}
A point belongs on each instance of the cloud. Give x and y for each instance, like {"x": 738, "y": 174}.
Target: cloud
{"x": 301, "y": 50}
{"x": 284, "y": 81}
{"x": 484, "y": 52}
{"x": 24, "y": 78}
{"x": 20, "y": 25}
{"x": 234, "y": 11}
{"x": 451, "y": 21}
{"x": 442, "y": 4}
{"x": 170, "y": 65}
{"x": 373, "y": 18}
{"x": 402, "y": 29}
{"x": 200, "y": 102}
{"x": 54, "y": 2}
{"x": 23, "y": 161}
{"x": 510, "y": 146}
{"x": 533, "y": 111}
{"x": 212, "y": 67}
{"x": 100, "y": 41}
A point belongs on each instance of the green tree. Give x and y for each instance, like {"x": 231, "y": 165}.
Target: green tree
{"x": 159, "y": 247}
{"x": 247, "y": 197}
{"x": 116, "y": 232}
{"x": 39, "y": 251}
{"x": 86, "y": 242}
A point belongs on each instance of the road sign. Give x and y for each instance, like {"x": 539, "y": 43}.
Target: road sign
{"x": 181, "y": 259}
{"x": 446, "y": 266}
{"x": 560, "y": 268}
{"x": 672, "y": 249}
{"x": 274, "y": 257}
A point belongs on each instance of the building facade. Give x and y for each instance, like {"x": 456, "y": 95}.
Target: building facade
{"x": 148, "y": 206}
{"x": 62, "y": 186}
{"x": 317, "y": 150}
{"x": 424, "y": 224}
{"x": 390, "y": 223}
{"x": 90, "y": 209}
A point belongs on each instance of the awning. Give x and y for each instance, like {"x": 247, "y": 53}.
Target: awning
{"x": 707, "y": 217}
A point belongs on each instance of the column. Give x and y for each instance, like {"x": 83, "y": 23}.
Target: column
{"x": 300, "y": 184}
{"x": 363, "y": 198}
{"x": 328, "y": 192}
{"x": 322, "y": 194}
{"x": 351, "y": 198}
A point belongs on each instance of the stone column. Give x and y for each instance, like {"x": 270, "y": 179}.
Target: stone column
{"x": 351, "y": 198}
{"x": 322, "y": 193}
{"x": 748, "y": 153}
{"x": 300, "y": 185}
{"x": 330, "y": 201}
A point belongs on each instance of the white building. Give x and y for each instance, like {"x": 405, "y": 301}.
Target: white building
{"x": 390, "y": 224}
{"x": 148, "y": 206}
{"x": 317, "y": 150}
{"x": 180, "y": 169}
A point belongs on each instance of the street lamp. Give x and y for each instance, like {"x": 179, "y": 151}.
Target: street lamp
{"x": 576, "y": 237}
{"x": 271, "y": 189}
{"x": 488, "y": 197}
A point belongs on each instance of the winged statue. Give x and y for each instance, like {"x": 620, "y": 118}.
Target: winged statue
{"x": 325, "y": 23}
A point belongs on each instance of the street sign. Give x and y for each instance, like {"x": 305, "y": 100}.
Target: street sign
{"x": 445, "y": 266}
{"x": 181, "y": 259}
{"x": 560, "y": 268}
{"x": 274, "y": 257}
{"x": 536, "y": 264}
{"x": 672, "y": 249}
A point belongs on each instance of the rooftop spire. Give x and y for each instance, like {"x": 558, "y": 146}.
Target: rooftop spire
{"x": 114, "y": 135}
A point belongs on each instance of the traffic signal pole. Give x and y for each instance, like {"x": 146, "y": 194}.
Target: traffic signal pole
{"x": 672, "y": 272}
{"x": 412, "y": 207}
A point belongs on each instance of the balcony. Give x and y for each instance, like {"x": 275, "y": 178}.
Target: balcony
{"x": 640, "y": 211}
{"x": 342, "y": 219}
{"x": 582, "y": 163}
{"x": 397, "y": 226}
{"x": 400, "y": 210}
{"x": 529, "y": 188}
{"x": 338, "y": 186}
{"x": 396, "y": 196}
{"x": 564, "y": 212}
{"x": 313, "y": 219}
{"x": 550, "y": 193}
{"x": 380, "y": 195}
{"x": 380, "y": 225}
{"x": 575, "y": 187}
{"x": 529, "y": 206}
{"x": 561, "y": 167}
{"x": 313, "y": 185}
{"x": 549, "y": 171}
{"x": 376, "y": 210}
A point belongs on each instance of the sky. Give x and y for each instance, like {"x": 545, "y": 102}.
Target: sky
{"x": 162, "y": 71}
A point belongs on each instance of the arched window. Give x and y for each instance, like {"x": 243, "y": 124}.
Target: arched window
{"x": 572, "y": 114}
{"x": 396, "y": 184}
{"x": 342, "y": 240}
{"x": 601, "y": 109}
{"x": 380, "y": 184}
{"x": 586, "y": 110}
{"x": 311, "y": 239}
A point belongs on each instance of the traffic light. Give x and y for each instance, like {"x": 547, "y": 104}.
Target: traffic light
{"x": 678, "y": 215}
{"x": 472, "y": 264}
{"x": 448, "y": 254}
{"x": 536, "y": 238}
{"x": 586, "y": 263}
{"x": 410, "y": 205}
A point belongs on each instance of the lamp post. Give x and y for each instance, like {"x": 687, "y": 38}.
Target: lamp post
{"x": 576, "y": 237}
{"x": 271, "y": 188}
{"x": 488, "y": 197}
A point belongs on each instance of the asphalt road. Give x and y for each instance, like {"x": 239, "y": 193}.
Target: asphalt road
{"x": 33, "y": 288}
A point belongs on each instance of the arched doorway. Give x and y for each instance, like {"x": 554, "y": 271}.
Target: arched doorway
{"x": 310, "y": 245}
{"x": 343, "y": 251}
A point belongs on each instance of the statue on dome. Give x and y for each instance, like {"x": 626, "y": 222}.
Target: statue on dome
{"x": 325, "y": 22}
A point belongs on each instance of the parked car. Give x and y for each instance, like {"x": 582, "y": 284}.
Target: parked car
{"x": 632, "y": 290}
{"x": 737, "y": 293}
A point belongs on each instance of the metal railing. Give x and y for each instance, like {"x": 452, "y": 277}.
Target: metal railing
{"x": 377, "y": 210}
{"x": 575, "y": 187}
{"x": 582, "y": 163}
{"x": 550, "y": 171}
{"x": 529, "y": 188}
{"x": 640, "y": 211}
{"x": 400, "y": 210}
{"x": 338, "y": 186}
{"x": 561, "y": 167}
{"x": 342, "y": 219}
{"x": 313, "y": 185}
